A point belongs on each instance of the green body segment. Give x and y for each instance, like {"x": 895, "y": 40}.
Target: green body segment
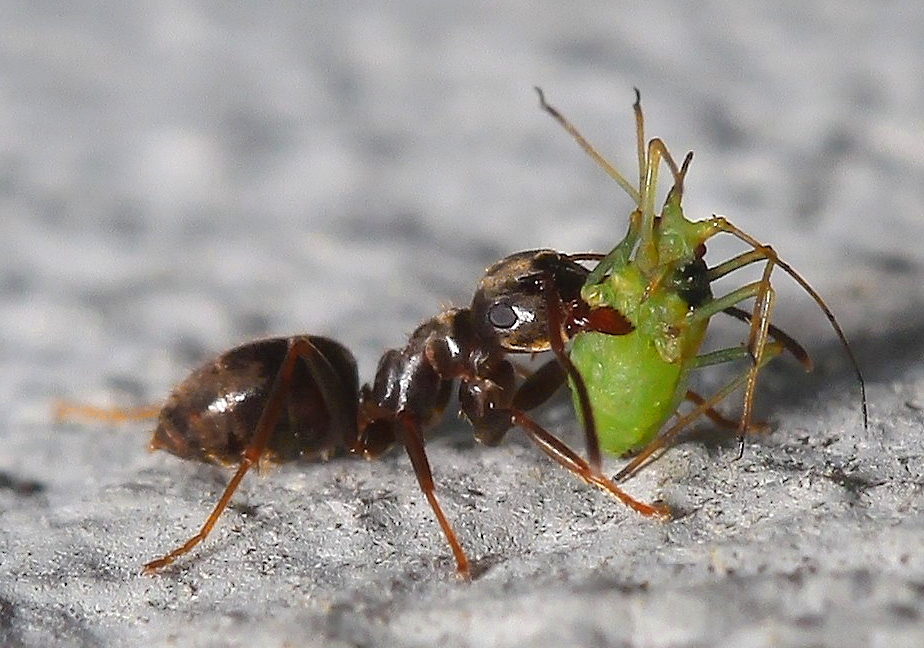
{"x": 630, "y": 398}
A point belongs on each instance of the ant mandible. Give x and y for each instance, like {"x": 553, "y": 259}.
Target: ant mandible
{"x": 282, "y": 399}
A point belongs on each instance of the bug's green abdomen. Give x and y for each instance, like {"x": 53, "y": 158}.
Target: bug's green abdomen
{"x": 635, "y": 381}
{"x": 630, "y": 397}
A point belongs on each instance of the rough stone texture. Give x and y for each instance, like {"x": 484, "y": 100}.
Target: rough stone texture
{"x": 175, "y": 179}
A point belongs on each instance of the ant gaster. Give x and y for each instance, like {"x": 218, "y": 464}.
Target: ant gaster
{"x": 282, "y": 399}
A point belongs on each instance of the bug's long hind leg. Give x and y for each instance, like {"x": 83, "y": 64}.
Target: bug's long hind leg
{"x": 298, "y": 348}
{"x": 572, "y": 461}
{"x": 717, "y": 418}
{"x": 66, "y": 410}
{"x": 765, "y": 252}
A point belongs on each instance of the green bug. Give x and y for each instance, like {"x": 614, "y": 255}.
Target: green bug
{"x": 657, "y": 279}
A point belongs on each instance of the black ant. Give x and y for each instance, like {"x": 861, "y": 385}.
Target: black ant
{"x": 282, "y": 399}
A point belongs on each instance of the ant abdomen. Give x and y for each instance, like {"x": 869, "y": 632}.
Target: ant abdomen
{"x": 213, "y": 415}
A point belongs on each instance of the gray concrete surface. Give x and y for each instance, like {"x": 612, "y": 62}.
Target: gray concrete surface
{"x": 176, "y": 178}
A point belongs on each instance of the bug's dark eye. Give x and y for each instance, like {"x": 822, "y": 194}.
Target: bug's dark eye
{"x": 502, "y": 316}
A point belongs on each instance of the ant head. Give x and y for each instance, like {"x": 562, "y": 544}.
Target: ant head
{"x": 511, "y": 303}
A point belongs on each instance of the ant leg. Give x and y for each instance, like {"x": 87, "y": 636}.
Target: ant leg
{"x": 662, "y": 441}
{"x": 553, "y": 314}
{"x": 413, "y": 443}
{"x": 298, "y": 348}
{"x": 539, "y": 386}
{"x": 556, "y": 449}
{"x": 65, "y": 410}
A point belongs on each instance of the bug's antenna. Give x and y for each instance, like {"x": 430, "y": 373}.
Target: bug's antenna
{"x": 608, "y": 168}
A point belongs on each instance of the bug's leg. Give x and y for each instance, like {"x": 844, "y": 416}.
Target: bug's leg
{"x": 766, "y": 252}
{"x": 757, "y": 343}
{"x": 759, "y": 325}
{"x": 759, "y": 318}
{"x": 789, "y": 343}
{"x": 66, "y": 410}
{"x": 715, "y": 416}
{"x": 556, "y": 449}
{"x": 298, "y": 348}
{"x": 780, "y": 342}
{"x": 664, "y": 439}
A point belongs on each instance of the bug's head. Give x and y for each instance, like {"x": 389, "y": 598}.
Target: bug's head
{"x": 510, "y": 305}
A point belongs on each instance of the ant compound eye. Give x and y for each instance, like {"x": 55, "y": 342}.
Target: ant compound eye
{"x": 502, "y": 316}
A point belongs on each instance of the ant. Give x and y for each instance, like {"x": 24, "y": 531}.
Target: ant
{"x": 283, "y": 399}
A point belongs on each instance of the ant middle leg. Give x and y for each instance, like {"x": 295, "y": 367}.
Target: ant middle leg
{"x": 539, "y": 386}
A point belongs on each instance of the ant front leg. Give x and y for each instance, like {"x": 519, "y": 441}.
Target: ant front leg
{"x": 555, "y": 315}
{"x": 557, "y": 450}
{"x": 488, "y": 404}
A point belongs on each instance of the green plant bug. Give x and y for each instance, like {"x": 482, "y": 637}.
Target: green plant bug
{"x": 657, "y": 279}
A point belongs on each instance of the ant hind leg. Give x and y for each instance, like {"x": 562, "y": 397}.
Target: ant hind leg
{"x": 298, "y": 348}
{"x": 68, "y": 411}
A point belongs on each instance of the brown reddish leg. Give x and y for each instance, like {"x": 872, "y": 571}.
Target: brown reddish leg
{"x": 554, "y": 311}
{"x": 298, "y": 348}
{"x": 413, "y": 443}
{"x": 65, "y": 410}
{"x": 572, "y": 461}
{"x": 541, "y": 385}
